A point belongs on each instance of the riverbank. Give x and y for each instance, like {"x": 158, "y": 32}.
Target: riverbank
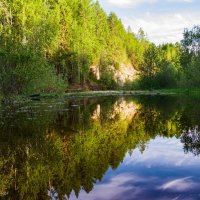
{"x": 193, "y": 92}
{"x": 179, "y": 91}
{"x": 106, "y": 93}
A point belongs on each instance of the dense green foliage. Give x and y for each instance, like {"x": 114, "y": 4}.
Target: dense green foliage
{"x": 190, "y": 59}
{"x": 161, "y": 67}
{"x": 47, "y": 46}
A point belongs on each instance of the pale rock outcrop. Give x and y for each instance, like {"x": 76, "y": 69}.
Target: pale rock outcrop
{"x": 125, "y": 73}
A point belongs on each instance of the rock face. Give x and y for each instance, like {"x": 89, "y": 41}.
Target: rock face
{"x": 124, "y": 73}
{"x": 95, "y": 70}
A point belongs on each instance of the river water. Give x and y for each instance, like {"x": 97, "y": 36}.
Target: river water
{"x": 105, "y": 148}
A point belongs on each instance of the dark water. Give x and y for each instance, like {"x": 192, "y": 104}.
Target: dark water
{"x": 107, "y": 148}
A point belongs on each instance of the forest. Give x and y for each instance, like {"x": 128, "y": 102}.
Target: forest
{"x": 51, "y": 46}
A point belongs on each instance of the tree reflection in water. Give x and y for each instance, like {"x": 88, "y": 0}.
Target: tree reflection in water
{"x": 65, "y": 146}
{"x": 191, "y": 140}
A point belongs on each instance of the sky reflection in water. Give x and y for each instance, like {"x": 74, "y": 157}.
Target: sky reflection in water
{"x": 161, "y": 172}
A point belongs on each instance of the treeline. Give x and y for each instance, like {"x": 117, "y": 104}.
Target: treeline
{"x": 171, "y": 65}
{"x": 47, "y": 46}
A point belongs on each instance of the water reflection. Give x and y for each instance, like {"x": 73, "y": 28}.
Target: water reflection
{"x": 100, "y": 148}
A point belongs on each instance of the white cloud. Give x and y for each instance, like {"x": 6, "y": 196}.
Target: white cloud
{"x": 163, "y": 27}
{"x": 181, "y": 1}
{"x": 159, "y": 153}
{"x": 130, "y": 3}
{"x": 113, "y": 189}
{"x": 179, "y": 185}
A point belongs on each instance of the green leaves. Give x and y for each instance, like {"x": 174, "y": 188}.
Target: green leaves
{"x": 63, "y": 39}
{"x": 190, "y": 55}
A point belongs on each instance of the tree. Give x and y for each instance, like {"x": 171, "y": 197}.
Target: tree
{"x": 151, "y": 61}
{"x": 190, "y": 56}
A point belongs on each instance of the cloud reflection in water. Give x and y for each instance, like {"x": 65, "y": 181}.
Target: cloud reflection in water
{"x": 162, "y": 172}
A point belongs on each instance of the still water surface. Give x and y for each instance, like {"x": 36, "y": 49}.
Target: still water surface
{"x": 107, "y": 148}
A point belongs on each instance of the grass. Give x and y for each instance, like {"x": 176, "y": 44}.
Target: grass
{"x": 181, "y": 91}
{"x": 175, "y": 91}
{"x": 107, "y": 93}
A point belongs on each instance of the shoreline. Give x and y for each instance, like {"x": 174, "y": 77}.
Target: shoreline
{"x": 105, "y": 93}
{"x": 188, "y": 92}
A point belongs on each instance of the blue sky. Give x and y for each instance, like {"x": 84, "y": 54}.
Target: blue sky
{"x": 162, "y": 20}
